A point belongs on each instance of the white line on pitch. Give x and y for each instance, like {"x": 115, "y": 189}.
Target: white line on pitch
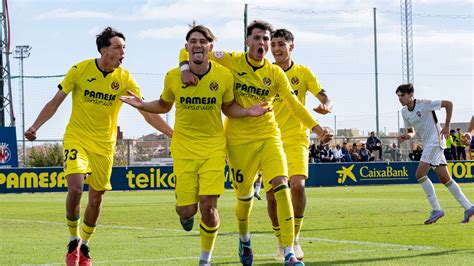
{"x": 255, "y": 234}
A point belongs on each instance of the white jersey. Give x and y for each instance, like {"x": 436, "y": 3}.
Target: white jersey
{"x": 423, "y": 119}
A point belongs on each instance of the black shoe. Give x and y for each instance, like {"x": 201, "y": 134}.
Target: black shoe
{"x": 72, "y": 246}
{"x": 256, "y": 195}
{"x": 187, "y": 224}
{"x": 85, "y": 251}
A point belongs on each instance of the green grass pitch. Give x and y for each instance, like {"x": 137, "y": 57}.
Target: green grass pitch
{"x": 373, "y": 225}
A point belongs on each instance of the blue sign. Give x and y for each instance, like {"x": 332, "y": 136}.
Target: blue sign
{"x": 52, "y": 179}
{"x": 8, "y": 147}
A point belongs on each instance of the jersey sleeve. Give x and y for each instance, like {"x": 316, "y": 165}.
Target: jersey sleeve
{"x": 132, "y": 86}
{"x": 168, "y": 95}
{"x": 69, "y": 81}
{"x": 229, "y": 88}
{"x": 312, "y": 82}
{"x": 292, "y": 102}
{"x": 428, "y": 105}
{"x": 405, "y": 120}
{"x": 183, "y": 56}
{"x": 224, "y": 58}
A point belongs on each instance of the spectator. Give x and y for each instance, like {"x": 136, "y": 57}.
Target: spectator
{"x": 326, "y": 154}
{"x": 314, "y": 154}
{"x": 394, "y": 152}
{"x": 460, "y": 146}
{"x": 416, "y": 154}
{"x": 374, "y": 143}
{"x": 337, "y": 154}
{"x": 364, "y": 154}
{"x": 346, "y": 156}
{"x": 450, "y": 151}
{"x": 354, "y": 153}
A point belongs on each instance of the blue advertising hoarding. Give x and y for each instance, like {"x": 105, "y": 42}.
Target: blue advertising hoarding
{"x": 8, "y": 147}
{"x": 52, "y": 179}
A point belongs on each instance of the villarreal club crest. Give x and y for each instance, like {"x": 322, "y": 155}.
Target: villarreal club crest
{"x": 214, "y": 86}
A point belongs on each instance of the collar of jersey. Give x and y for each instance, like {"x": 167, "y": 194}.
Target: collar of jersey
{"x": 414, "y": 104}
{"x": 202, "y": 75}
{"x": 250, "y": 60}
{"x": 101, "y": 71}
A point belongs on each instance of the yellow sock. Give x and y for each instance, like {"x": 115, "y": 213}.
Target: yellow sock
{"x": 285, "y": 214}
{"x": 298, "y": 225}
{"x": 242, "y": 211}
{"x": 208, "y": 236}
{"x": 73, "y": 227}
{"x": 277, "y": 233}
{"x": 87, "y": 231}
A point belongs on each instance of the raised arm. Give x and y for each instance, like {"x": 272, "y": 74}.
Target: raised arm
{"x": 46, "y": 113}
{"x": 187, "y": 77}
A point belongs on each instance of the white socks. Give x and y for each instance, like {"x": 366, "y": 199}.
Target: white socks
{"x": 205, "y": 256}
{"x": 427, "y": 186}
{"x": 245, "y": 238}
{"x": 454, "y": 188}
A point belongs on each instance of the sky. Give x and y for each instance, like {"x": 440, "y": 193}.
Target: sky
{"x": 333, "y": 38}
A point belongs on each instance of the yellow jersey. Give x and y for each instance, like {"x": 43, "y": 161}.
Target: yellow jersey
{"x": 256, "y": 84}
{"x": 95, "y": 104}
{"x": 198, "y": 130}
{"x": 302, "y": 80}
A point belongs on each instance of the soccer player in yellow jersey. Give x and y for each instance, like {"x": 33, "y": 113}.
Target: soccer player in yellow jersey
{"x": 198, "y": 146}
{"x": 294, "y": 135}
{"x": 89, "y": 140}
{"x": 254, "y": 143}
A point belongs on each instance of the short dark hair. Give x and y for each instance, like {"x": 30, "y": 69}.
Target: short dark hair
{"x": 283, "y": 33}
{"x": 103, "y": 38}
{"x": 203, "y": 30}
{"x": 259, "y": 24}
{"x": 405, "y": 88}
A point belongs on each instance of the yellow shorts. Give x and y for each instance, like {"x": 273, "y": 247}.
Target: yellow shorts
{"x": 198, "y": 177}
{"x": 98, "y": 167}
{"x": 246, "y": 159}
{"x": 297, "y": 156}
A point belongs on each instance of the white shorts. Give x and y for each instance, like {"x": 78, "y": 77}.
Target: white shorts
{"x": 433, "y": 155}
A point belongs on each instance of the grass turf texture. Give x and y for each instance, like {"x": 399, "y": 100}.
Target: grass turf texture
{"x": 376, "y": 225}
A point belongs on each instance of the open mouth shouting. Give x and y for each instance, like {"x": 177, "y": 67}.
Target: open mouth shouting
{"x": 198, "y": 56}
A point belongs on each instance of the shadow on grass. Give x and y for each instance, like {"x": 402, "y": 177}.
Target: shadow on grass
{"x": 393, "y": 259}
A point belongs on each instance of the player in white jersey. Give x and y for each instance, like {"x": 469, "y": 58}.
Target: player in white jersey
{"x": 419, "y": 117}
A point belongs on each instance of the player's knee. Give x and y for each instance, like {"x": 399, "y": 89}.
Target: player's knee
{"x": 297, "y": 183}
{"x": 74, "y": 192}
{"x": 278, "y": 181}
{"x": 209, "y": 213}
{"x": 298, "y": 189}
{"x": 186, "y": 212}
